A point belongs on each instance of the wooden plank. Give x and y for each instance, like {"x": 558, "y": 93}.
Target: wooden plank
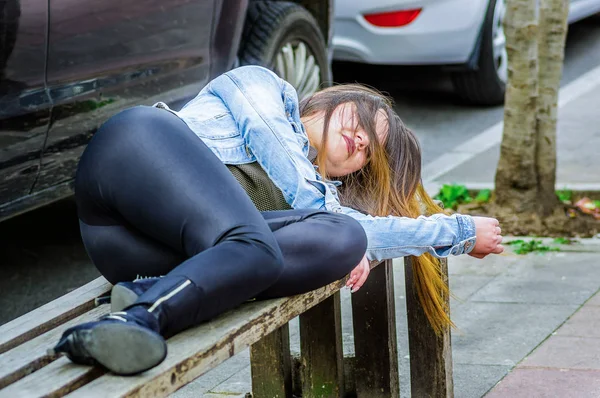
{"x": 52, "y": 314}
{"x": 197, "y": 350}
{"x": 375, "y": 342}
{"x": 430, "y": 354}
{"x": 270, "y": 363}
{"x": 321, "y": 350}
{"x": 31, "y": 356}
{"x": 54, "y": 380}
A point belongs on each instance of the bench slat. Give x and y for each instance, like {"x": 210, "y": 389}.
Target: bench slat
{"x": 31, "y": 356}
{"x": 321, "y": 349}
{"x": 197, "y": 350}
{"x": 430, "y": 354}
{"x": 271, "y": 366}
{"x": 54, "y": 380}
{"x": 375, "y": 342}
{"x": 51, "y": 315}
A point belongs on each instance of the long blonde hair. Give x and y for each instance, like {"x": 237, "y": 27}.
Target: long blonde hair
{"x": 389, "y": 184}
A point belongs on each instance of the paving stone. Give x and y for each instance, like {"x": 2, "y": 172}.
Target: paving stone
{"x": 464, "y": 286}
{"x": 584, "y": 323}
{"x": 566, "y": 352}
{"x": 548, "y": 383}
{"x": 490, "y": 266}
{"x": 595, "y": 301}
{"x": 473, "y": 381}
{"x": 215, "y": 377}
{"x": 541, "y": 291}
{"x": 239, "y": 383}
{"x": 550, "y": 278}
{"x": 503, "y": 333}
{"x": 572, "y": 265}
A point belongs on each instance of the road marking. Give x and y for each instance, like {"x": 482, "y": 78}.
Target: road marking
{"x": 493, "y": 135}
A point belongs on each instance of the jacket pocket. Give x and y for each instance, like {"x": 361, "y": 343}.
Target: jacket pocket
{"x": 220, "y": 127}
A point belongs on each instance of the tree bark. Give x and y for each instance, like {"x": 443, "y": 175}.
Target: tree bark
{"x": 516, "y": 175}
{"x": 551, "y": 49}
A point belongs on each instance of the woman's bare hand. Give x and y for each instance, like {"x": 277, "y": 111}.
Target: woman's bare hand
{"x": 359, "y": 275}
{"x": 488, "y": 239}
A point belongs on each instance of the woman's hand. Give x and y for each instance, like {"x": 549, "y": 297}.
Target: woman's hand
{"x": 359, "y": 275}
{"x": 488, "y": 239}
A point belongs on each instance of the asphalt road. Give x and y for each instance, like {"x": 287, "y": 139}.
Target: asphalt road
{"x": 41, "y": 254}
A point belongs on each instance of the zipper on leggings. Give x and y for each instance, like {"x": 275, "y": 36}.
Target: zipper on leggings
{"x": 168, "y": 296}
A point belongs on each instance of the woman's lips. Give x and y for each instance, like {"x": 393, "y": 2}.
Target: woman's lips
{"x": 350, "y": 145}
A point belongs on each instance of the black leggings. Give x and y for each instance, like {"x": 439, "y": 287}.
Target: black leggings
{"x": 154, "y": 200}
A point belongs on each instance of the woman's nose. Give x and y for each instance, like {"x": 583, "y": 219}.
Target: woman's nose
{"x": 361, "y": 139}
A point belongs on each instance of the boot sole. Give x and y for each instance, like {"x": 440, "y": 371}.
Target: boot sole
{"x": 121, "y": 298}
{"x": 124, "y": 349}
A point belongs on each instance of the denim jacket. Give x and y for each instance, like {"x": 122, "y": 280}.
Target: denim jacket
{"x": 251, "y": 115}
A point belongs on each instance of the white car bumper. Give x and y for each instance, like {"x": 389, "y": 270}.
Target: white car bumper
{"x": 445, "y": 32}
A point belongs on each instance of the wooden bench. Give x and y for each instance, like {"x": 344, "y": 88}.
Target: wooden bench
{"x": 27, "y": 371}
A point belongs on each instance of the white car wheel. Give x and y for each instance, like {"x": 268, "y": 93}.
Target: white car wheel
{"x": 296, "y": 65}
{"x": 499, "y": 40}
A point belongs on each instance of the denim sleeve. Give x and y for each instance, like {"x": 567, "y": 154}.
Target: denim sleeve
{"x": 255, "y": 98}
{"x": 393, "y": 237}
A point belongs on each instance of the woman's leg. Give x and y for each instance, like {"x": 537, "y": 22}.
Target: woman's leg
{"x": 318, "y": 248}
{"x": 145, "y": 170}
{"x": 122, "y": 253}
{"x": 151, "y": 174}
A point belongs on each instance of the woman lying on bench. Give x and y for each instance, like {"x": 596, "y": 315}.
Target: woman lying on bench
{"x": 165, "y": 193}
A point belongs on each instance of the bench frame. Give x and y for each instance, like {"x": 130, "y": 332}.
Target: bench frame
{"x": 25, "y": 367}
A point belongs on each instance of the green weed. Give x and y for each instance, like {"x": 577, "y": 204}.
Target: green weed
{"x": 564, "y": 241}
{"x": 453, "y": 195}
{"x": 524, "y": 247}
{"x": 564, "y": 195}
{"x": 483, "y": 196}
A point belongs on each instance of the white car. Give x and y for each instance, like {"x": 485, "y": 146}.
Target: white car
{"x": 466, "y": 35}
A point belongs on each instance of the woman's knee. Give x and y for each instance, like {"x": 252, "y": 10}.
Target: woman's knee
{"x": 352, "y": 237}
{"x": 345, "y": 236}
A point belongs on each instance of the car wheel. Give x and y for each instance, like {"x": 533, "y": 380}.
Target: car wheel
{"x": 286, "y": 38}
{"x": 487, "y": 84}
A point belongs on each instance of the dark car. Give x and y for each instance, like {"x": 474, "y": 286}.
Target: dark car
{"x": 68, "y": 65}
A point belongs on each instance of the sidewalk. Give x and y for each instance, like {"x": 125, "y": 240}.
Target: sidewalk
{"x": 534, "y": 319}
{"x": 567, "y": 364}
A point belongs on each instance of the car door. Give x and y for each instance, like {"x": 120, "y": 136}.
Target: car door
{"x": 24, "y": 103}
{"x": 105, "y": 56}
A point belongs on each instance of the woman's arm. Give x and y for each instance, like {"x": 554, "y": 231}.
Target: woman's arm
{"x": 393, "y": 237}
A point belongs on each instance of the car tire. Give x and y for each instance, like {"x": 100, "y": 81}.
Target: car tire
{"x": 487, "y": 84}
{"x": 286, "y": 38}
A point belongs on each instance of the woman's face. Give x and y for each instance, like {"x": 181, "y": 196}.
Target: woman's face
{"x": 347, "y": 147}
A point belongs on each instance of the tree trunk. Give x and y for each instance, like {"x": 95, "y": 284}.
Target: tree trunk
{"x": 516, "y": 176}
{"x": 551, "y": 49}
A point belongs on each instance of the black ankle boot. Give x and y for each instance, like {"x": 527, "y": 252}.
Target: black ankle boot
{"x": 125, "y": 294}
{"x": 126, "y": 343}
{"x": 177, "y": 303}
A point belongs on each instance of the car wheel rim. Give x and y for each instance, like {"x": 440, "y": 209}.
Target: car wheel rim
{"x": 499, "y": 41}
{"x": 296, "y": 64}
